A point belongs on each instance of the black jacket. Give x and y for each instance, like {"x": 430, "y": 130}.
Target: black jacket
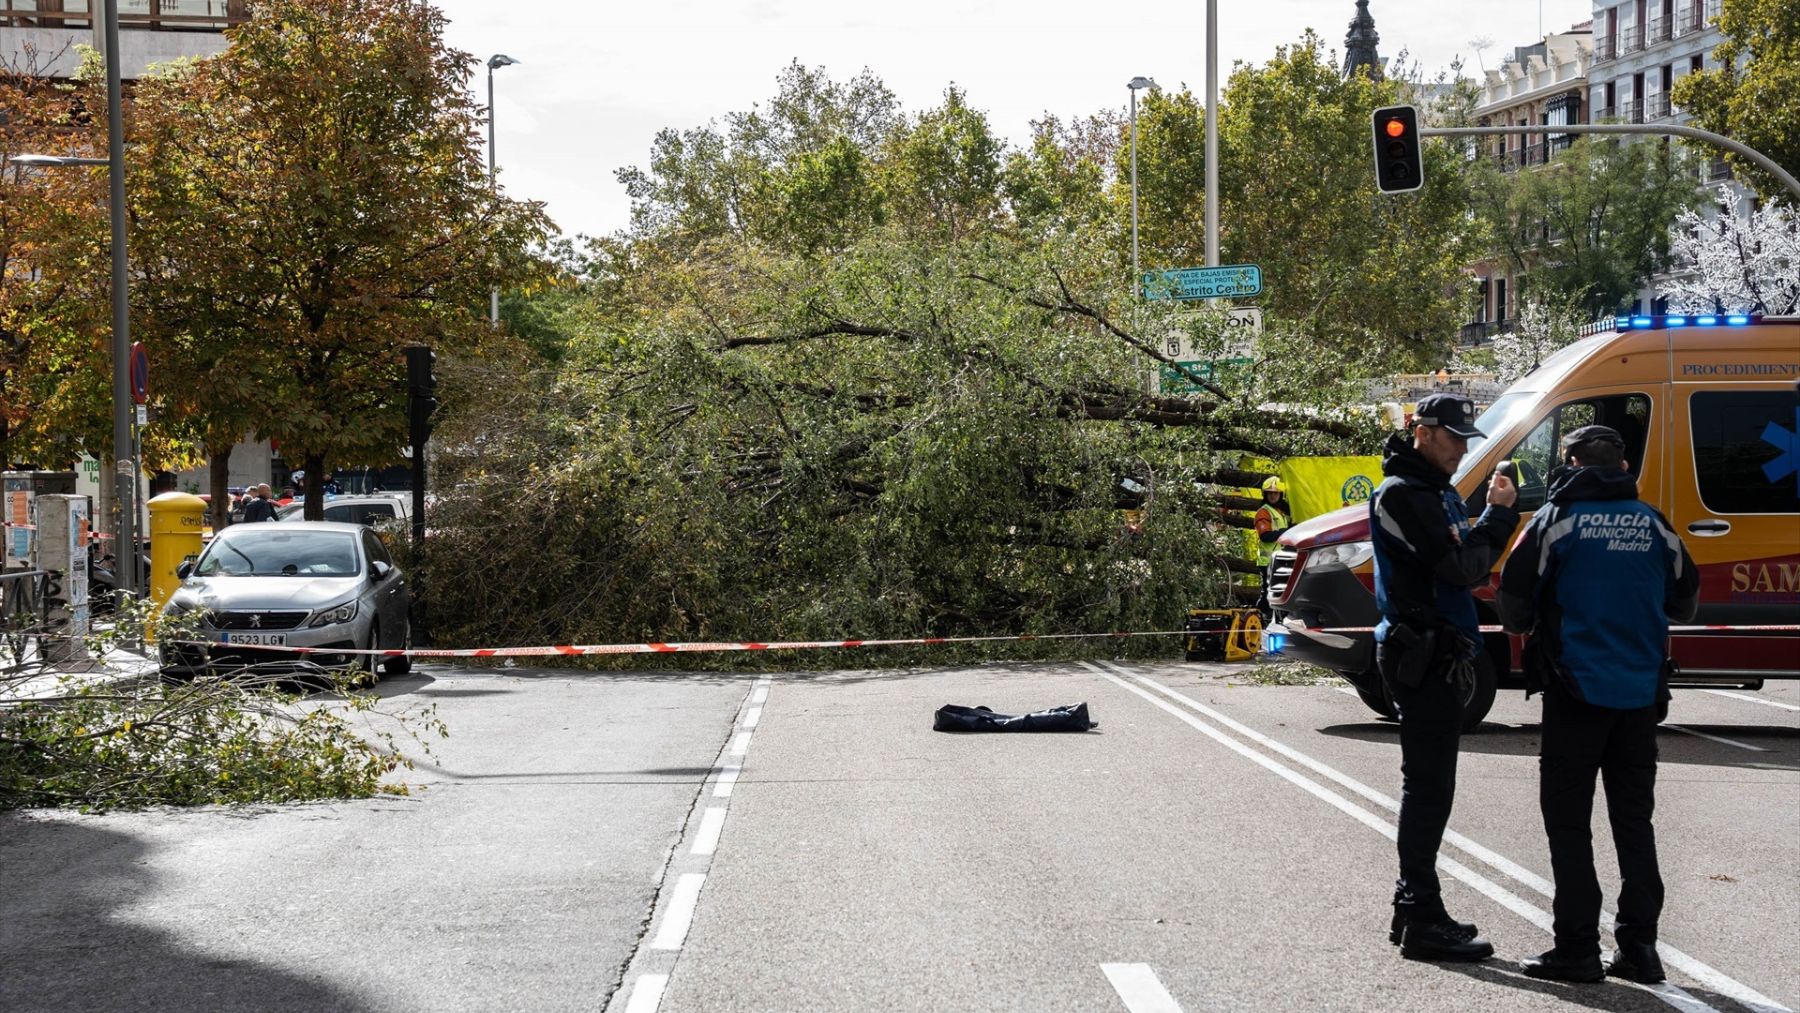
{"x": 1423, "y": 572}
{"x": 256, "y": 508}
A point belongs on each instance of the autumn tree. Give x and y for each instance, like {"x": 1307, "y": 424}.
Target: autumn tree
{"x": 314, "y": 200}
{"x": 1750, "y": 90}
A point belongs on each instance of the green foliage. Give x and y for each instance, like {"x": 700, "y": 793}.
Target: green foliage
{"x": 1751, "y": 91}
{"x": 245, "y": 736}
{"x": 1592, "y": 227}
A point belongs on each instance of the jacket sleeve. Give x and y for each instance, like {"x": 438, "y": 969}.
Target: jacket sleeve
{"x": 1522, "y": 574}
{"x": 1413, "y": 519}
{"x": 1682, "y": 599}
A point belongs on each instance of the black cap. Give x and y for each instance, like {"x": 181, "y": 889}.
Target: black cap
{"x": 1454, "y": 412}
{"x": 1592, "y": 434}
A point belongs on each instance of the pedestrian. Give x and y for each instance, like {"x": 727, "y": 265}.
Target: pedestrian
{"x": 1271, "y": 520}
{"x": 259, "y": 507}
{"x": 1427, "y": 557}
{"x": 1595, "y": 579}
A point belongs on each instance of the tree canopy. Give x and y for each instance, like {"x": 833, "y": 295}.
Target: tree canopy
{"x": 1751, "y": 89}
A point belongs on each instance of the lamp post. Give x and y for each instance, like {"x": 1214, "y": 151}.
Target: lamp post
{"x": 1212, "y": 133}
{"x": 1134, "y": 84}
{"x": 494, "y": 63}
{"x": 125, "y": 469}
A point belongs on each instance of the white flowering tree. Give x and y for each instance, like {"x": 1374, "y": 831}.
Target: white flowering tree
{"x": 1542, "y": 327}
{"x": 1735, "y": 263}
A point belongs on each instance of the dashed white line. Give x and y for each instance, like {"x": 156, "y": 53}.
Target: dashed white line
{"x": 712, "y": 824}
{"x": 1703, "y": 973}
{"x": 728, "y": 775}
{"x": 752, "y": 716}
{"x": 674, "y": 929}
{"x": 760, "y": 694}
{"x": 1715, "y": 738}
{"x": 740, "y": 744}
{"x": 1752, "y": 699}
{"x": 1139, "y": 988}
{"x": 646, "y": 993}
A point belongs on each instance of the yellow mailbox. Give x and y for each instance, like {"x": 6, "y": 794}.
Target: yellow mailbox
{"x": 176, "y": 520}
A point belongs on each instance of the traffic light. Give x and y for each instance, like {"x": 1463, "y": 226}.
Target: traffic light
{"x": 421, "y": 388}
{"x": 1399, "y": 168}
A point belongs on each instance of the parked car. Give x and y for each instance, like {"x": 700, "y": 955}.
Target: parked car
{"x": 376, "y": 509}
{"x": 306, "y": 584}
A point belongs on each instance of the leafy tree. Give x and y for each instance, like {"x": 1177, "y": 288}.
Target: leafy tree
{"x": 1058, "y": 183}
{"x": 1752, "y": 91}
{"x": 1592, "y": 227}
{"x": 318, "y": 199}
{"x": 942, "y": 171}
{"x": 1745, "y": 264}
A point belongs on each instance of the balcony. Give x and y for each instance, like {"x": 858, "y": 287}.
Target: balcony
{"x": 1633, "y": 112}
{"x": 1604, "y": 113}
{"x": 1630, "y": 40}
{"x": 1716, "y": 171}
{"x": 1712, "y": 9}
{"x": 174, "y": 15}
{"x": 1657, "y": 107}
{"x": 1484, "y": 330}
{"x": 1688, "y": 19}
{"x": 1518, "y": 158}
{"x": 1660, "y": 30}
{"x": 1604, "y": 49}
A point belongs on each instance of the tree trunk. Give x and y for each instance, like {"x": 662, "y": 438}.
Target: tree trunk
{"x": 314, "y": 490}
{"x": 218, "y": 476}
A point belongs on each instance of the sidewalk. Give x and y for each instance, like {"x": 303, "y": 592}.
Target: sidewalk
{"x": 116, "y": 665}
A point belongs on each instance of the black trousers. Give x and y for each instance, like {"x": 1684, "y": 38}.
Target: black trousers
{"x": 1430, "y": 734}
{"x": 1578, "y": 740}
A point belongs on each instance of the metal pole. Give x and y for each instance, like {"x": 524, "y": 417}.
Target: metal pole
{"x": 493, "y": 293}
{"x": 1765, "y": 162}
{"x": 1136, "y": 273}
{"x": 125, "y": 470}
{"x": 1212, "y": 133}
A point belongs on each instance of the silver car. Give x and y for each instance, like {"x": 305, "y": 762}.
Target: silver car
{"x": 301, "y": 584}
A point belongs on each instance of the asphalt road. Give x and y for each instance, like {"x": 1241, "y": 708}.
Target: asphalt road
{"x": 691, "y": 843}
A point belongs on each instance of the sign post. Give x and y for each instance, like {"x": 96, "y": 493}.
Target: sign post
{"x": 1190, "y": 283}
{"x": 1245, "y": 323}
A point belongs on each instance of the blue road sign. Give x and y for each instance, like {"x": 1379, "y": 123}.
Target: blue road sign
{"x": 1204, "y": 282}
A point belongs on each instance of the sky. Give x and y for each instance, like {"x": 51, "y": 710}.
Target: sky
{"x": 597, "y": 80}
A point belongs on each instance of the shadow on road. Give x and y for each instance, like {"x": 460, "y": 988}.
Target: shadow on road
{"x": 62, "y": 932}
{"x": 1777, "y": 744}
{"x": 1611, "y": 994}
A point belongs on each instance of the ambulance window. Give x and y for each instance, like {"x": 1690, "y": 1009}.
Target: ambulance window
{"x": 1534, "y": 456}
{"x": 1745, "y": 453}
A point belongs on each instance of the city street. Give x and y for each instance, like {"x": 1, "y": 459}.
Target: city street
{"x": 693, "y": 842}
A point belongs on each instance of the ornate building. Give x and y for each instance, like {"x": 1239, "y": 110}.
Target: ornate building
{"x": 1360, "y": 43}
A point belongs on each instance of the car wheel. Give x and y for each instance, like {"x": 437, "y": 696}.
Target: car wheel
{"x": 1373, "y": 693}
{"x": 1482, "y": 699}
{"x": 366, "y": 667}
{"x": 402, "y": 664}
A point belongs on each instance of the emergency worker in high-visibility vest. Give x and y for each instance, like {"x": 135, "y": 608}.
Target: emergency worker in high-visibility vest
{"x": 1271, "y": 520}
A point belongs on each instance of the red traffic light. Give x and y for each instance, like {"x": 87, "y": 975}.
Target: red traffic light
{"x": 1395, "y": 128}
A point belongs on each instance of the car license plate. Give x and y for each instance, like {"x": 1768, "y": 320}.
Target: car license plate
{"x": 254, "y": 639}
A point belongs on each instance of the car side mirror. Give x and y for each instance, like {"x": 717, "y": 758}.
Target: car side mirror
{"x": 379, "y": 570}
{"x": 186, "y": 569}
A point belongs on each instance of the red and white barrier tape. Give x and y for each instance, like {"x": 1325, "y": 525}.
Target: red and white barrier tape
{"x": 577, "y": 650}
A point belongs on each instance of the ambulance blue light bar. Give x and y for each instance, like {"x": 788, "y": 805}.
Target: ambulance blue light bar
{"x": 1737, "y": 319}
{"x": 1645, "y": 323}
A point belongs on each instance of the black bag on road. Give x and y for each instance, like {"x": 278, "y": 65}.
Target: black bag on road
{"x": 952, "y": 718}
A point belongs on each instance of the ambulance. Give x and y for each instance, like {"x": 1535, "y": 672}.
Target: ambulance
{"x": 1709, "y": 407}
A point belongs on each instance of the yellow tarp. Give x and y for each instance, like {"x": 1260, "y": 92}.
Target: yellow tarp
{"x": 1317, "y": 485}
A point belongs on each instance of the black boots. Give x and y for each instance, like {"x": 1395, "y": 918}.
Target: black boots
{"x": 1636, "y": 962}
{"x": 1556, "y": 965}
{"x": 1439, "y": 940}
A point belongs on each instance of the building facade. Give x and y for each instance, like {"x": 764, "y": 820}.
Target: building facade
{"x": 42, "y": 38}
{"x": 1538, "y": 85}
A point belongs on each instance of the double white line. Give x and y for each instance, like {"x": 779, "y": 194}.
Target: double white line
{"x": 1149, "y": 689}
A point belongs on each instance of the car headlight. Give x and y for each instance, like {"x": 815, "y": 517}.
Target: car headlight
{"x": 1342, "y": 556}
{"x": 339, "y": 614}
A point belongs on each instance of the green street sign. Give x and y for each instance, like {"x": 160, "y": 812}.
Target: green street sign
{"x": 1169, "y": 381}
{"x": 1204, "y": 282}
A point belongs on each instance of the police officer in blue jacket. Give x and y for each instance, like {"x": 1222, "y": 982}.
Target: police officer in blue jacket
{"x": 1595, "y": 579}
{"x": 1427, "y": 557}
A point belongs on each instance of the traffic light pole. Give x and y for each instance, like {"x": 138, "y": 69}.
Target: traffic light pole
{"x": 1666, "y": 130}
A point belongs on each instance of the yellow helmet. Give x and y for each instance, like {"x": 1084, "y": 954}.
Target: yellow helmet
{"x": 1274, "y": 485}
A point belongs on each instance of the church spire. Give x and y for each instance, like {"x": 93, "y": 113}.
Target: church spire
{"x": 1360, "y": 43}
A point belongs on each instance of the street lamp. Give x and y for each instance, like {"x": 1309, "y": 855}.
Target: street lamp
{"x": 1134, "y": 84}
{"x": 494, "y": 63}
{"x": 125, "y": 470}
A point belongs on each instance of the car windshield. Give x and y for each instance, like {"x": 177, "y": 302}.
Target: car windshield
{"x": 278, "y": 551}
{"x": 1508, "y": 409}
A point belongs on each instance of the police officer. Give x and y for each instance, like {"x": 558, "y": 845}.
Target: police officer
{"x": 1427, "y": 557}
{"x": 1595, "y": 579}
{"x": 1271, "y": 520}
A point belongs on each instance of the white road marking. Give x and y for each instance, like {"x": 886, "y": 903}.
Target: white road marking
{"x": 740, "y": 744}
{"x": 1716, "y": 738}
{"x": 1710, "y": 977}
{"x": 1351, "y": 690}
{"x": 728, "y": 775}
{"x": 1752, "y": 699}
{"x": 712, "y": 824}
{"x": 646, "y": 993}
{"x": 752, "y": 716}
{"x": 674, "y": 929}
{"x": 760, "y": 694}
{"x": 1139, "y": 988}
